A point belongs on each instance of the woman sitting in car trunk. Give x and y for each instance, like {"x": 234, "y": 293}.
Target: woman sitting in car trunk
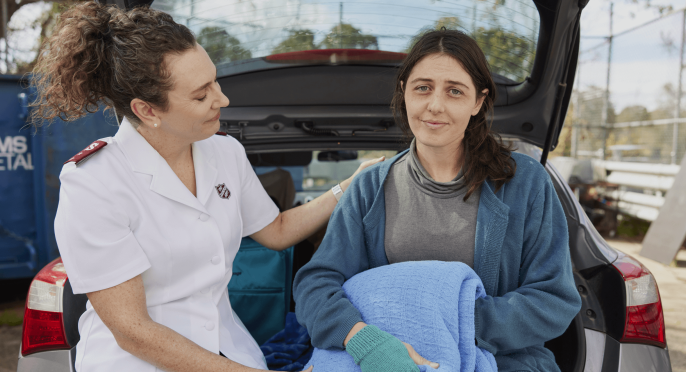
{"x": 458, "y": 194}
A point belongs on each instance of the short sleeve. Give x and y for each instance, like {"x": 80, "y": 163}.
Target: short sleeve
{"x": 257, "y": 208}
{"x": 97, "y": 246}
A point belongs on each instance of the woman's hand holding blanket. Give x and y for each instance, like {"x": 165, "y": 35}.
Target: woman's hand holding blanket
{"x": 377, "y": 351}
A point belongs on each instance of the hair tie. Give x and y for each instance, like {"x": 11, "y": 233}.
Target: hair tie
{"x": 443, "y": 28}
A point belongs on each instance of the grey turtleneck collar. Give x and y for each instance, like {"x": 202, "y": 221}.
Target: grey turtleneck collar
{"x": 427, "y": 184}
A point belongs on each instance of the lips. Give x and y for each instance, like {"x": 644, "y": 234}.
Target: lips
{"x": 215, "y": 118}
{"x": 434, "y": 124}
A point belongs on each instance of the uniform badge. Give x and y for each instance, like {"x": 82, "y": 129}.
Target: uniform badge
{"x": 87, "y": 152}
{"x": 223, "y": 191}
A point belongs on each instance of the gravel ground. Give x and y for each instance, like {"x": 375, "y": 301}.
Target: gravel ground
{"x": 672, "y": 284}
{"x": 12, "y": 298}
{"x": 10, "y": 338}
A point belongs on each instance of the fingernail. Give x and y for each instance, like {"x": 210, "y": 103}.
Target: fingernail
{"x": 434, "y": 365}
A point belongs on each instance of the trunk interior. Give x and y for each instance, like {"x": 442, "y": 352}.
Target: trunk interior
{"x": 295, "y": 178}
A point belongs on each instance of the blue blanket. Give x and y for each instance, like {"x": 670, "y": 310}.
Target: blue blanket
{"x": 427, "y": 304}
{"x": 289, "y": 349}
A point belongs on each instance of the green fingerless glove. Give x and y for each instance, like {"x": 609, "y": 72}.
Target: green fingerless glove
{"x": 377, "y": 351}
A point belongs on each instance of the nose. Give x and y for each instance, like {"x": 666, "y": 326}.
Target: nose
{"x": 436, "y": 103}
{"x": 222, "y": 100}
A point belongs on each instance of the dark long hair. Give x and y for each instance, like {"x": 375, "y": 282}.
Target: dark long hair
{"x": 488, "y": 157}
{"x": 101, "y": 54}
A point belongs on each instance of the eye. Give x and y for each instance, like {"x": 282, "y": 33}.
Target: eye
{"x": 422, "y": 88}
{"x": 455, "y": 92}
{"x": 202, "y": 99}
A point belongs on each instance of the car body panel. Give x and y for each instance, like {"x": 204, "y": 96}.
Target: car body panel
{"x": 643, "y": 358}
{"x": 595, "y": 350}
{"x": 47, "y": 361}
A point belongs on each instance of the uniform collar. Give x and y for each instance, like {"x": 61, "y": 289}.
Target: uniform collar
{"x": 145, "y": 159}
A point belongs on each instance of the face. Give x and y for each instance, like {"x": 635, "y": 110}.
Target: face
{"x": 440, "y": 98}
{"x": 195, "y": 98}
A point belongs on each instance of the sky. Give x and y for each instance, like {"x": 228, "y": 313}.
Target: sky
{"x": 641, "y": 64}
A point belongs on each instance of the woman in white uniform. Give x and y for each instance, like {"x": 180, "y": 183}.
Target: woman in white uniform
{"x": 150, "y": 220}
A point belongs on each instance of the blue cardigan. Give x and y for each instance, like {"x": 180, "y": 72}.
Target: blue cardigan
{"x": 521, "y": 254}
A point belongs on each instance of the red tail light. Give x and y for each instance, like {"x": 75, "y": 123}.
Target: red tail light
{"x": 645, "y": 321}
{"x": 43, "y": 325}
{"x": 337, "y": 56}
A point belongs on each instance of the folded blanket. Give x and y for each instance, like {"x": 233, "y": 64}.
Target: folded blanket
{"x": 427, "y": 304}
{"x": 289, "y": 349}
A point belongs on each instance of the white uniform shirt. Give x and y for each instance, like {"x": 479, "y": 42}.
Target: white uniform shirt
{"x": 124, "y": 212}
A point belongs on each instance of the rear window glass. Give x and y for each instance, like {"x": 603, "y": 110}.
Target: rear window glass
{"x": 237, "y": 30}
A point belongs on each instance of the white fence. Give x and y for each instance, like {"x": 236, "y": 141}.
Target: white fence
{"x": 637, "y": 188}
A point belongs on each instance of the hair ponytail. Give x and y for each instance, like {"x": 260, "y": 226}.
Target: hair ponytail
{"x": 99, "y": 54}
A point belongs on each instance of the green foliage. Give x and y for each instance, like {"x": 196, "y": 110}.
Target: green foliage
{"x": 343, "y": 36}
{"x": 11, "y": 318}
{"x": 346, "y": 36}
{"x": 508, "y": 54}
{"x": 297, "y": 40}
{"x": 629, "y": 227}
{"x": 220, "y": 46}
{"x": 633, "y": 113}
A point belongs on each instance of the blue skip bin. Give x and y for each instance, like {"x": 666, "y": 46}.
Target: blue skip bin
{"x": 30, "y": 164}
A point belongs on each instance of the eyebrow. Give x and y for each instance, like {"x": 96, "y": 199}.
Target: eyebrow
{"x": 453, "y": 82}
{"x": 204, "y": 86}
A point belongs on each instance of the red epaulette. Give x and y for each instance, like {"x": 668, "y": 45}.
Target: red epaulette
{"x": 222, "y": 133}
{"x": 87, "y": 152}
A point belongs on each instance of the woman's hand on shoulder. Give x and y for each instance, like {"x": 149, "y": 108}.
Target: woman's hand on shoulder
{"x": 366, "y": 164}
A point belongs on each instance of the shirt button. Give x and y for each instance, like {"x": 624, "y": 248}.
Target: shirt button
{"x": 204, "y": 217}
{"x": 209, "y": 325}
{"x": 216, "y": 260}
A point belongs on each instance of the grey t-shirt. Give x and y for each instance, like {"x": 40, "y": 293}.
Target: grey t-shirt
{"x": 425, "y": 219}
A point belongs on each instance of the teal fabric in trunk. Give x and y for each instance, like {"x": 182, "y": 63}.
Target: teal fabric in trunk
{"x": 260, "y": 289}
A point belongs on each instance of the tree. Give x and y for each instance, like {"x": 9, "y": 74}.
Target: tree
{"x": 222, "y": 47}
{"x": 297, "y": 40}
{"x": 508, "y": 54}
{"x": 46, "y": 23}
{"x": 12, "y": 7}
{"x": 346, "y": 36}
{"x": 633, "y": 113}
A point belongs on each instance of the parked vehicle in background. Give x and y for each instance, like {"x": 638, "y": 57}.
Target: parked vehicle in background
{"x": 314, "y": 78}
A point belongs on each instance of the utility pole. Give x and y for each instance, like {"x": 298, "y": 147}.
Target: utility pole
{"x": 474, "y": 19}
{"x": 677, "y": 108}
{"x": 577, "y": 112}
{"x": 340, "y": 25}
{"x": 606, "y": 101}
{"x": 4, "y": 32}
{"x": 192, "y": 12}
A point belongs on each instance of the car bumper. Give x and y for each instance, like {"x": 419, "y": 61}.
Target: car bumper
{"x": 47, "y": 361}
{"x": 605, "y": 354}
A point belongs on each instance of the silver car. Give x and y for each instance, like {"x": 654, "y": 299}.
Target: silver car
{"x": 316, "y": 76}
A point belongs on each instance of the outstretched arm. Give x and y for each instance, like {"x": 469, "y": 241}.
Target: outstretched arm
{"x": 294, "y": 225}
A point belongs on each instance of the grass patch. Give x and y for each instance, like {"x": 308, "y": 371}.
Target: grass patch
{"x": 11, "y": 318}
{"x": 629, "y": 227}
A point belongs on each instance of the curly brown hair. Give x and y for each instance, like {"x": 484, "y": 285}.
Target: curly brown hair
{"x": 101, "y": 54}
{"x": 488, "y": 157}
